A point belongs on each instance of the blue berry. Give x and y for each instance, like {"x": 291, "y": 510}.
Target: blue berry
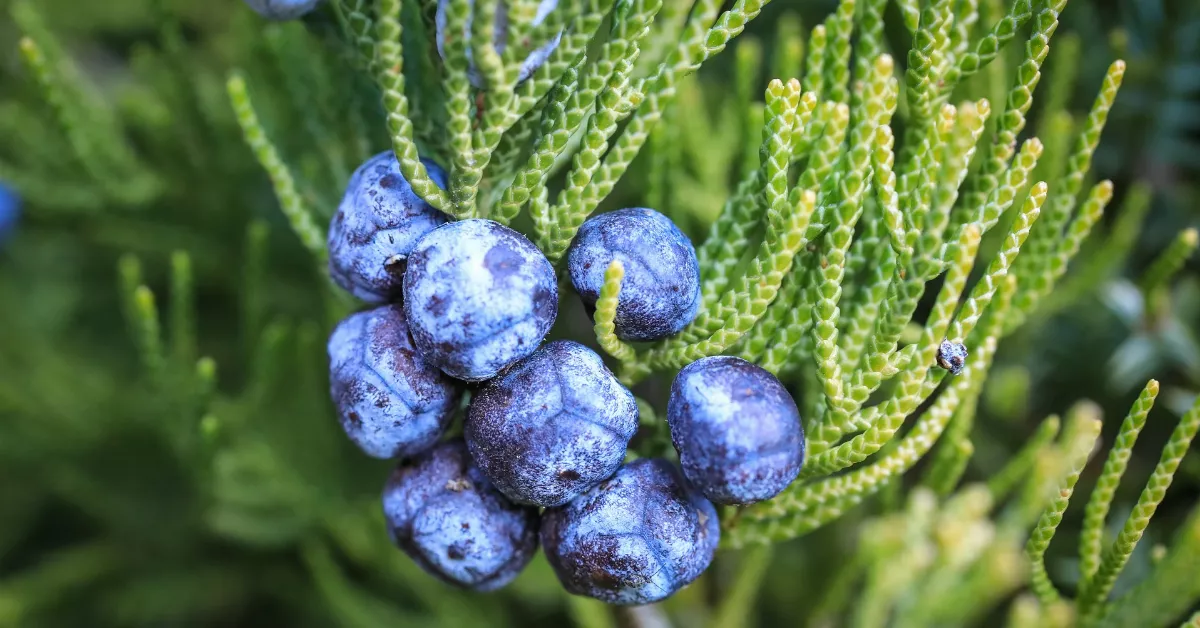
{"x": 390, "y": 401}
{"x": 378, "y": 223}
{"x": 282, "y": 9}
{"x": 442, "y": 512}
{"x": 635, "y": 538}
{"x": 553, "y": 426}
{"x": 499, "y": 38}
{"x": 479, "y": 296}
{"x": 10, "y": 211}
{"x": 661, "y": 291}
{"x": 736, "y": 428}
{"x": 952, "y": 356}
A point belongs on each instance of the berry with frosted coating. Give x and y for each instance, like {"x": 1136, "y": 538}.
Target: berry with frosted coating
{"x": 479, "y": 296}
{"x": 377, "y": 224}
{"x": 442, "y": 512}
{"x": 390, "y": 401}
{"x": 636, "y": 538}
{"x": 553, "y": 426}
{"x": 736, "y": 428}
{"x": 660, "y": 294}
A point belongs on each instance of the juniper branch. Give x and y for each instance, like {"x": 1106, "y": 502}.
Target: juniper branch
{"x": 1086, "y": 434}
{"x": 1110, "y": 478}
{"x": 1094, "y": 595}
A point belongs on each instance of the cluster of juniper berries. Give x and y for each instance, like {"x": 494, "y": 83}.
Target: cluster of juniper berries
{"x": 468, "y": 303}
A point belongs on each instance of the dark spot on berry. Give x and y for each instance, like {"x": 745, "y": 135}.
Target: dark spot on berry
{"x": 569, "y": 475}
{"x": 605, "y": 580}
{"x": 502, "y": 261}
{"x": 437, "y": 305}
{"x": 454, "y": 552}
{"x": 354, "y": 418}
{"x": 389, "y": 181}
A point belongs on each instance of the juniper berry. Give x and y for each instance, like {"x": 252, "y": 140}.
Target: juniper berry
{"x": 736, "y": 428}
{"x": 390, "y": 401}
{"x": 661, "y": 290}
{"x": 636, "y": 538}
{"x": 479, "y": 296}
{"x": 377, "y": 224}
{"x": 442, "y": 512}
{"x": 553, "y": 426}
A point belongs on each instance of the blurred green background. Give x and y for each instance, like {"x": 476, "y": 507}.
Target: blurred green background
{"x": 135, "y": 496}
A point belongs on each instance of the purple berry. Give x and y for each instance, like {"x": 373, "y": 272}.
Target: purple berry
{"x": 479, "y": 296}
{"x": 499, "y": 38}
{"x": 442, "y": 512}
{"x": 736, "y": 428}
{"x": 553, "y": 426}
{"x": 660, "y": 294}
{"x": 282, "y": 9}
{"x": 391, "y": 402}
{"x": 377, "y": 224}
{"x": 635, "y": 538}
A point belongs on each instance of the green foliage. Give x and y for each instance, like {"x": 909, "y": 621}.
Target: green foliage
{"x": 872, "y": 205}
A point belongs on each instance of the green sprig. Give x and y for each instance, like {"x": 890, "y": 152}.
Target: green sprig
{"x": 395, "y": 102}
{"x": 1168, "y": 591}
{"x": 1079, "y": 450}
{"x": 293, "y": 205}
{"x": 839, "y": 26}
{"x": 981, "y": 186}
{"x": 1110, "y": 478}
{"x": 1094, "y": 594}
{"x": 1169, "y": 261}
{"x": 989, "y": 47}
{"x": 606, "y": 314}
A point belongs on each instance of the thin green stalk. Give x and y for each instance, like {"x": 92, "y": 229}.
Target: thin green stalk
{"x": 1093, "y": 597}
{"x": 1091, "y": 538}
{"x": 1078, "y": 452}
